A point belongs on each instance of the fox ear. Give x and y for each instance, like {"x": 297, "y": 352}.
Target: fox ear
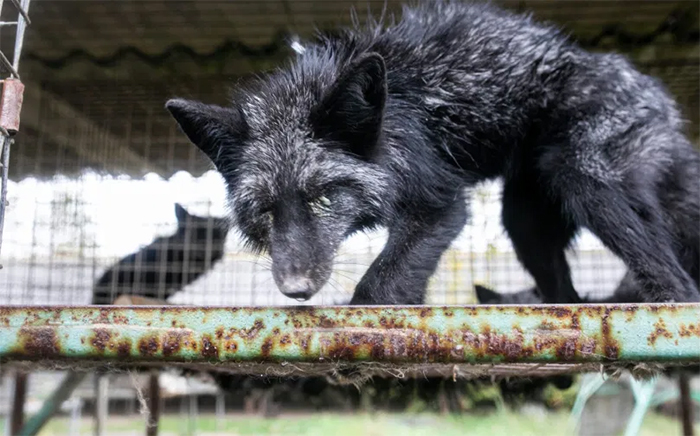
{"x": 486, "y": 296}
{"x": 209, "y": 127}
{"x": 181, "y": 214}
{"x": 351, "y": 112}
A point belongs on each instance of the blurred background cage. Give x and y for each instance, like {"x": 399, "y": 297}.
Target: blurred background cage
{"x": 99, "y": 164}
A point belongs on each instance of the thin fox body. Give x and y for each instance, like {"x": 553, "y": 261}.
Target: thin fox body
{"x": 389, "y": 124}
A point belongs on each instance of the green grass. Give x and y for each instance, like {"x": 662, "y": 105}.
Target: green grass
{"x": 494, "y": 424}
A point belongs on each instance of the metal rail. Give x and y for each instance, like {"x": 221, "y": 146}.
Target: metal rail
{"x": 11, "y": 101}
{"x": 481, "y": 334}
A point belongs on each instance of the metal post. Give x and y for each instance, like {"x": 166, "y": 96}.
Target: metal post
{"x": 52, "y": 404}
{"x": 153, "y": 405}
{"x": 101, "y": 402}
{"x": 220, "y": 409}
{"x": 75, "y": 415}
{"x": 18, "y": 402}
{"x": 9, "y": 122}
{"x": 192, "y": 410}
{"x": 4, "y": 163}
{"x": 643, "y": 393}
{"x": 686, "y": 404}
{"x": 22, "y": 22}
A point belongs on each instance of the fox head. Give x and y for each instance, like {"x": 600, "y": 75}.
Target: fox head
{"x": 199, "y": 235}
{"x": 298, "y": 155}
{"x": 485, "y": 295}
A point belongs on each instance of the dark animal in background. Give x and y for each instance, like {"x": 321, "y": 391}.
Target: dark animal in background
{"x": 627, "y": 292}
{"x": 387, "y": 125}
{"x": 169, "y": 263}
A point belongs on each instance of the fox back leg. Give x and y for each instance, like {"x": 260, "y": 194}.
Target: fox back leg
{"x": 617, "y": 199}
{"x": 540, "y": 236}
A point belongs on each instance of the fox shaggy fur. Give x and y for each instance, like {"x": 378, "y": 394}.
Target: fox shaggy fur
{"x": 169, "y": 263}
{"x": 389, "y": 124}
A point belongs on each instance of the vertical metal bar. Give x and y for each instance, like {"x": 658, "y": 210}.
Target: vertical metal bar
{"x": 22, "y": 21}
{"x": 18, "y": 402}
{"x": 4, "y": 163}
{"x": 75, "y": 415}
{"x": 9, "y": 388}
{"x": 101, "y": 402}
{"x": 153, "y": 405}
{"x": 52, "y": 404}
{"x": 643, "y": 392}
{"x": 686, "y": 404}
{"x": 192, "y": 413}
{"x": 19, "y": 38}
{"x": 220, "y": 410}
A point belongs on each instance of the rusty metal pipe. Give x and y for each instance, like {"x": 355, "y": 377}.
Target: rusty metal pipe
{"x": 417, "y": 334}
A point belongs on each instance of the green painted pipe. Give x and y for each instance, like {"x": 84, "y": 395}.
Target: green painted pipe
{"x": 414, "y": 334}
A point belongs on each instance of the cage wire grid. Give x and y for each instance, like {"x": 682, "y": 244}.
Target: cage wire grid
{"x": 100, "y": 169}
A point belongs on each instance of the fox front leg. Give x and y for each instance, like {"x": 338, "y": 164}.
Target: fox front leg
{"x": 399, "y": 275}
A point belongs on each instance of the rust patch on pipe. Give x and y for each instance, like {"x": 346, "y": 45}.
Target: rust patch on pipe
{"x": 610, "y": 346}
{"x": 689, "y": 330}
{"x": 175, "y": 340}
{"x": 252, "y": 332}
{"x": 659, "y": 331}
{"x": 124, "y": 349}
{"x": 149, "y": 345}
{"x": 209, "y": 349}
{"x": 40, "y": 342}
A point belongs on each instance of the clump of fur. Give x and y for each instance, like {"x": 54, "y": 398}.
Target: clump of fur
{"x": 169, "y": 263}
{"x": 387, "y": 125}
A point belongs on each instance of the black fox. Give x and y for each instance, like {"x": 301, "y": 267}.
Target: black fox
{"x": 169, "y": 263}
{"x": 389, "y": 124}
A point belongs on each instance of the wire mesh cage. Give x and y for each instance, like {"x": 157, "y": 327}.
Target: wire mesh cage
{"x": 11, "y": 101}
{"x": 107, "y": 198}
{"x": 102, "y": 165}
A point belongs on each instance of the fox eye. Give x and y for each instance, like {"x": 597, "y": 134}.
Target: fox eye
{"x": 267, "y": 216}
{"x": 321, "y": 205}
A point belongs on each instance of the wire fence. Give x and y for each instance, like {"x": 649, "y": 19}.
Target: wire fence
{"x": 63, "y": 235}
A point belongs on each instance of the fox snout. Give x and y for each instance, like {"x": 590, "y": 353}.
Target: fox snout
{"x": 296, "y": 278}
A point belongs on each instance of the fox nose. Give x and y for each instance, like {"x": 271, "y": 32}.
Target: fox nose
{"x": 297, "y": 287}
{"x": 292, "y": 279}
